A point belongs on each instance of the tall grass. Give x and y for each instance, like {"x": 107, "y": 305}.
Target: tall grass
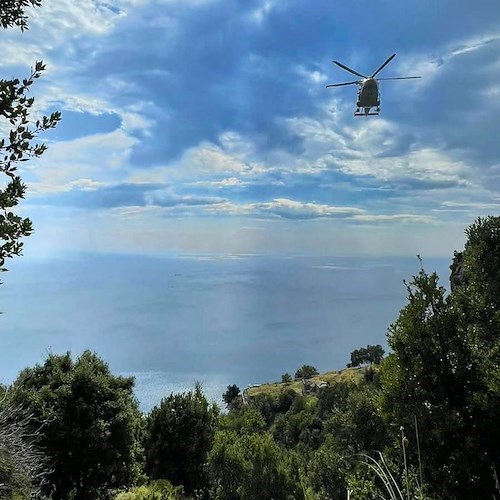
{"x": 391, "y": 485}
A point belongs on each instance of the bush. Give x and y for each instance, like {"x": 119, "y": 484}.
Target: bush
{"x": 89, "y": 421}
{"x": 157, "y": 490}
{"x": 178, "y": 435}
{"x": 232, "y": 397}
{"x": 306, "y": 371}
{"x": 250, "y": 467}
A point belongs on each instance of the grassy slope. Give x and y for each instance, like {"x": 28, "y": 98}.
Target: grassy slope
{"x": 348, "y": 374}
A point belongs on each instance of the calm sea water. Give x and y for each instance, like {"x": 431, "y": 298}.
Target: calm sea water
{"x": 219, "y": 320}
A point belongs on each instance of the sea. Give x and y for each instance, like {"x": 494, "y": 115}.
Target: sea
{"x": 177, "y": 319}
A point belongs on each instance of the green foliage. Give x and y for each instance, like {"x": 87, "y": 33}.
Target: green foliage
{"x": 333, "y": 398}
{"x": 445, "y": 369}
{"x": 298, "y": 427}
{"x": 306, "y": 371}
{"x": 388, "y": 485}
{"x": 15, "y": 109}
{"x": 178, "y": 435}
{"x": 12, "y": 12}
{"x": 157, "y": 490}
{"x": 372, "y": 354}
{"x": 246, "y": 420}
{"x": 326, "y": 474}
{"x": 357, "y": 425}
{"x": 232, "y": 397}
{"x": 251, "y": 467}
{"x": 432, "y": 375}
{"x": 478, "y": 298}
{"x": 286, "y": 378}
{"x": 89, "y": 422}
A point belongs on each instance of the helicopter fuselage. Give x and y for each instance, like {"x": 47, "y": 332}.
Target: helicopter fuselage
{"x": 368, "y": 95}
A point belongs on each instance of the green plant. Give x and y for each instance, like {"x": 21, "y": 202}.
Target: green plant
{"x": 382, "y": 471}
{"x": 178, "y": 435}
{"x": 306, "y": 371}
{"x": 157, "y": 490}
{"x": 89, "y": 423}
{"x": 17, "y": 146}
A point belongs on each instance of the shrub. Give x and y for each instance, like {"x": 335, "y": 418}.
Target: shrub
{"x": 306, "y": 371}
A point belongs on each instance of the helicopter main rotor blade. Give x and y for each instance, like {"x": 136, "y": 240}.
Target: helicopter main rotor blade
{"x": 343, "y": 66}
{"x": 400, "y": 78}
{"x": 342, "y": 84}
{"x": 383, "y": 65}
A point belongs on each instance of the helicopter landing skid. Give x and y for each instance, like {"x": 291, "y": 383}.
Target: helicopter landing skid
{"x": 362, "y": 113}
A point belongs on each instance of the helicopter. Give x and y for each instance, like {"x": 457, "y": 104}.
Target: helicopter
{"x": 368, "y": 92}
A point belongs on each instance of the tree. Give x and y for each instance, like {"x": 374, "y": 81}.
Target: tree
{"x": 246, "y": 420}
{"x": 250, "y": 467}
{"x": 286, "y": 378}
{"x": 306, "y": 371}
{"x": 476, "y": 298}
{"x": 357, "y": 426}
{"x": 23, "y": 466}
{"x": 372, "y": 354}
{"x": 15, "y": 109}
{"x": 178, "y": 436}
{"x": 91, "y": 424}
{"x": 232, "y": 397}
{"x": 326, "y": 474}
{"x": 434, "y": 375}
{"x": 333, "y": 398}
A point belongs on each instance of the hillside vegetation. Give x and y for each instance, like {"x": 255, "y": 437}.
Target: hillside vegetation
{"x": 419, "y": 423}
{"x": 340, "y": 376}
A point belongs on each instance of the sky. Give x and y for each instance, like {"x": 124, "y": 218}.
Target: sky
{"x": 206, "y": 125}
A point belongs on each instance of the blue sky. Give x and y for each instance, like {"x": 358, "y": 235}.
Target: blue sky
{"x": 205, "y": 125}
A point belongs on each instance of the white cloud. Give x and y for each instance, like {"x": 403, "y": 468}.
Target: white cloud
{"x": 315, "y": 77}
{"x": 103, "y": 157}
{"x": 472, "y": 205}
{"x": 57, "y": 20}
{"x": 39, "y": 188}
{"x": 428, "y": 65}
{"x": 282, "y": 207}
{"x": 373, "y": 149}
{"x": 420, "y": 165}
{"x": 471, "y": 44}
{"x": 259, "y": 14}
{"x": 209, "y": 158}
{"x": 427, "y": 219}
{"x": 71, "y": 100}
{"x": 223, "y": 183}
